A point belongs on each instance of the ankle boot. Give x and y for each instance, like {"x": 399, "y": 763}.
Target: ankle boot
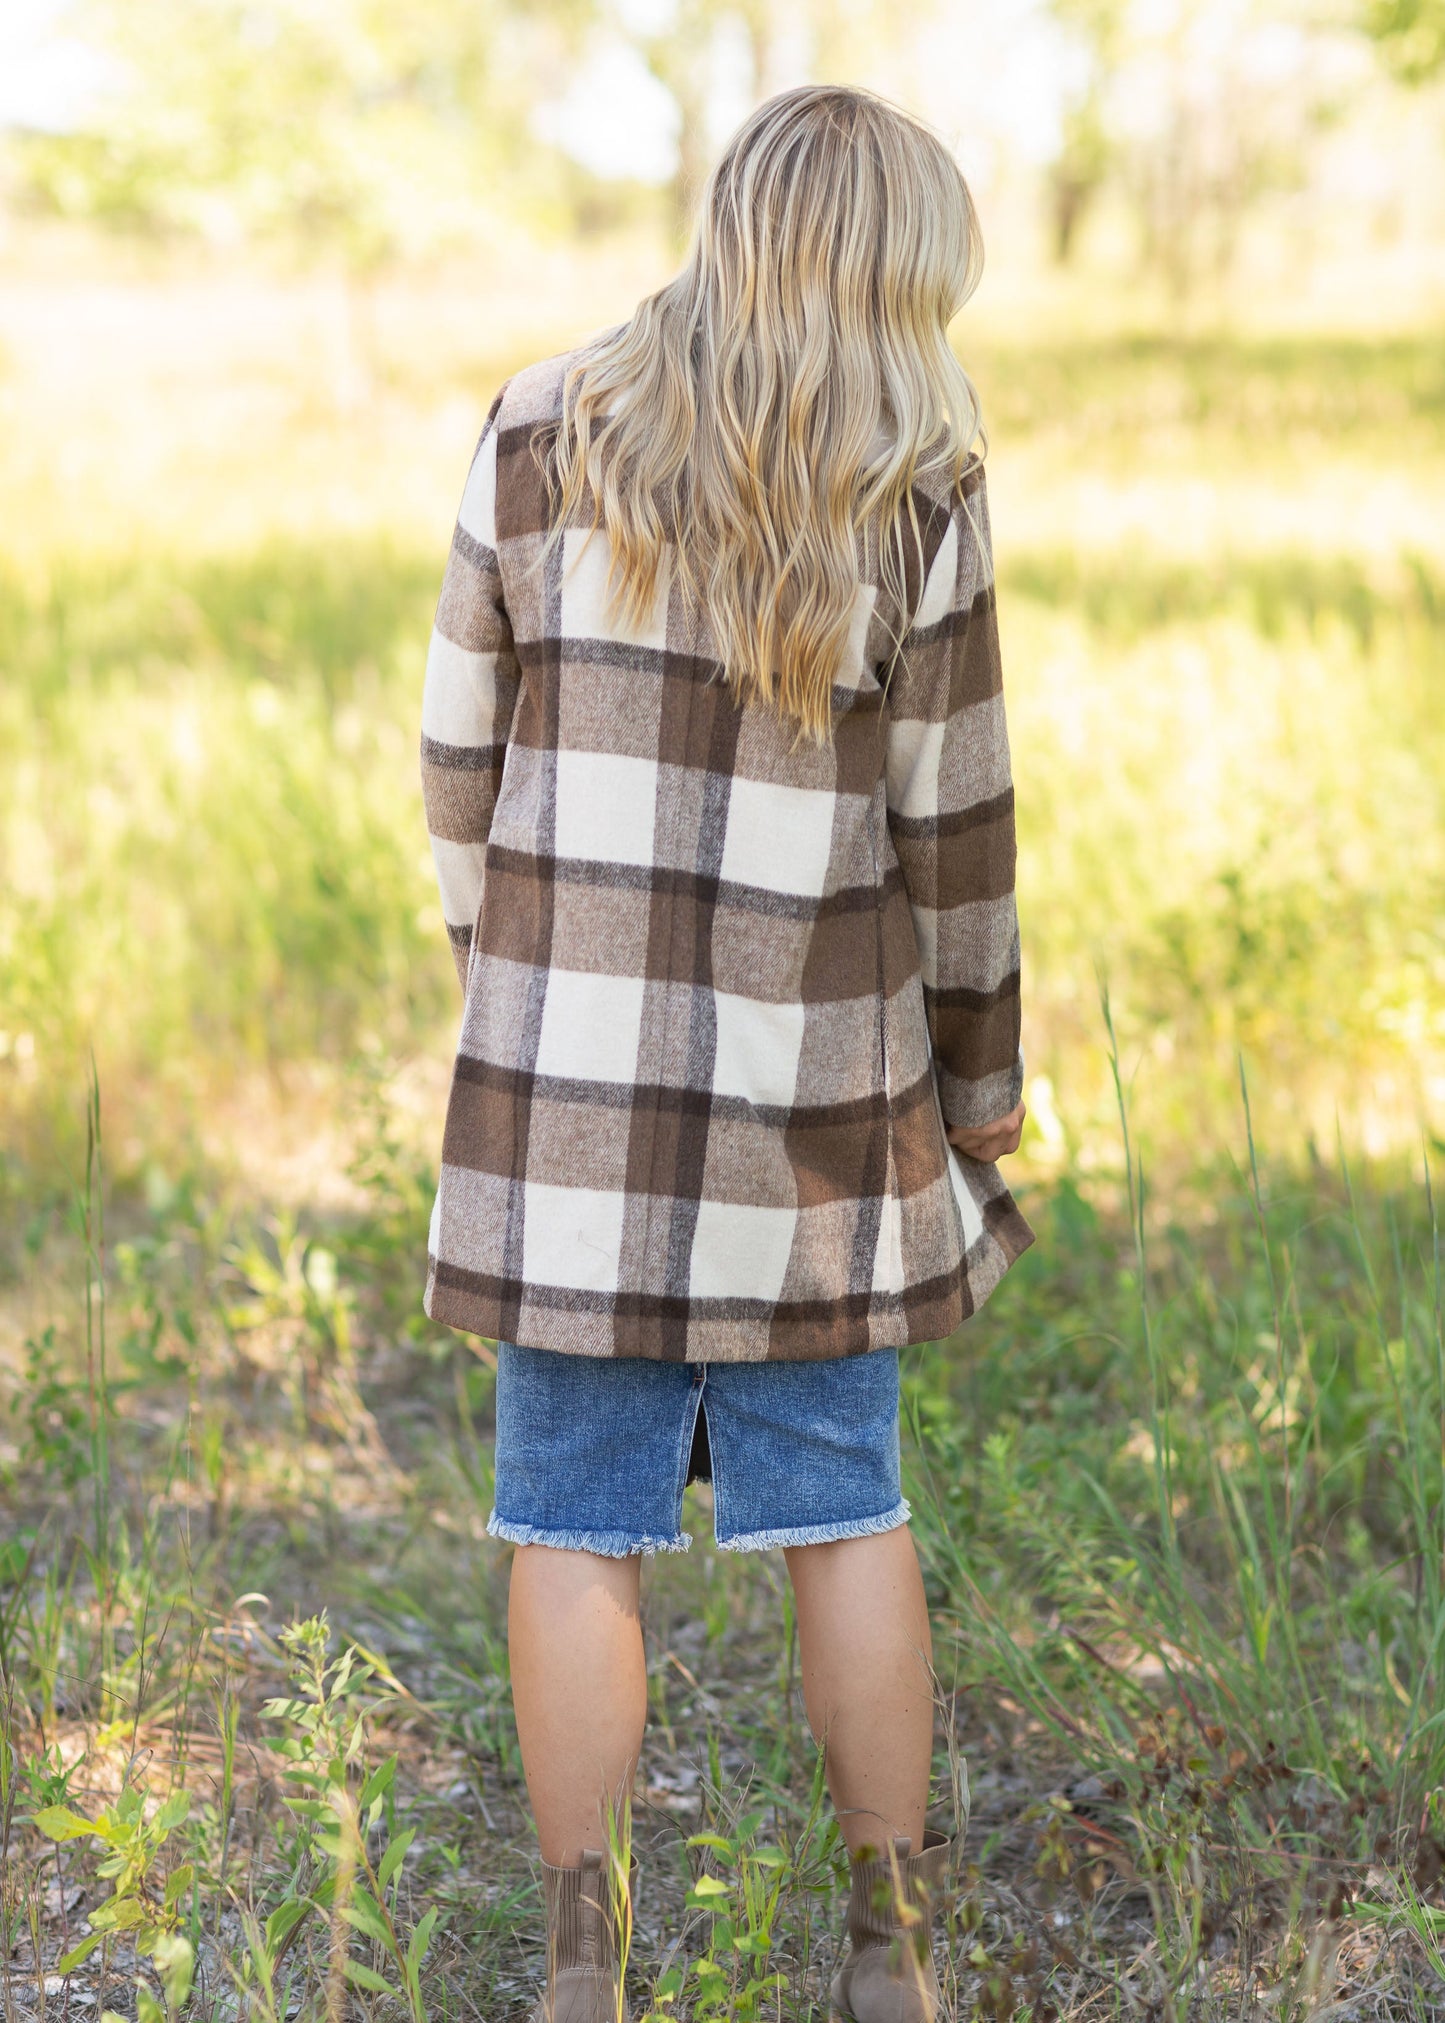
{"x": 584, "y": 1967}
{"x": 888, "y": 1975}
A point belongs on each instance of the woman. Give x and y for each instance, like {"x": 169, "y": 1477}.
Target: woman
{"x": 717, "y": 777}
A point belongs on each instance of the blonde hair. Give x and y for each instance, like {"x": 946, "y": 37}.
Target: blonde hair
{"x": 784, "y": 393}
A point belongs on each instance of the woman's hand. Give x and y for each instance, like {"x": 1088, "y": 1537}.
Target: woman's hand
{"x": 990, "y": 1141}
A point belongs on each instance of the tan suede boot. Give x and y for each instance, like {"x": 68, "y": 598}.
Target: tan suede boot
{"x": 888, "y": 1975}
{"x": 584, "y": 1967}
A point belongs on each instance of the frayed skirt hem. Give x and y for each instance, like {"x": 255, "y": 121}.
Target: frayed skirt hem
{"x": 607, "y": 1544}
{"x": 816, "y": 1534}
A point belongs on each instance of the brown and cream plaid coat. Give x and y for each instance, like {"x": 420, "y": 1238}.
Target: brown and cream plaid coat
{"x": 722, "y": 988}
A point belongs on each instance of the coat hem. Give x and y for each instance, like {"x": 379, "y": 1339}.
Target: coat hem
{"x": 922, "y": 1313}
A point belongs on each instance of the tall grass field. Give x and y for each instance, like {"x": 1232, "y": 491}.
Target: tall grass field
{"x": 1179, "y": 1491}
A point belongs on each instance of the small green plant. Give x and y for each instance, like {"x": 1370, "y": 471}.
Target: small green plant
{"x": 299, "y": 1286}
{"x": 47, "y": 1782}
{"x": 733, "y": 1978}
{"x": 741, "y": 1886}
{"x": 49, "y": 1404}
{"x": 144, "y": 1904}
{"x": 343, "y": 1812}
{"x": 298, "y": 1297}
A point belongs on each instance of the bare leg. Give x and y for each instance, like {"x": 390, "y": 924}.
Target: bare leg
{"x": 866, "y": 1652}
{"x": 579, "y": 1687}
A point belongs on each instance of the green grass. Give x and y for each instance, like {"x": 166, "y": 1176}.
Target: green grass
{"x": 1178, "y": 1490}
{"x": 1304, "y": 598}
{"x": 1230, "y": 788}
{"x": 213, "y": 825}
{"x": 1270, "y": 396}
{"x": 1230, "y": 792}
{"x": 1178, "y": 1494}
{"x": 1219, "y": 1480}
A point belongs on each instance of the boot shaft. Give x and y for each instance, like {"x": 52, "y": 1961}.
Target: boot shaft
{"x": 894, "y": 1893}
{"x": 588, "y": 1926}
{"x": 582, "y": 1911}
{"x": 887, "y": 1974}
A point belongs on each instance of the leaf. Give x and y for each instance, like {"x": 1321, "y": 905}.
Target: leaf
{"x": 379, "y": 1781}
{"x": 58, "y": 1822}
{"x": 395, "y": 1854}
{"x": 367, "y": 1977}
{"x": 365, "y": 1914}
{"x": 178, "y": 1882}
{"x": 121, "y": 1914}
{"x": 421, "y": 1939}
{"x": 723, "y": 1849}
{"x": 173, "y": 1812}
{"x": 147, "y": 2008}
{"x": 709, "y": 1886}
{"x": 175, "y": 1960}
{"x": 78, "y": 1953}
{"x": 283, "y": 1921}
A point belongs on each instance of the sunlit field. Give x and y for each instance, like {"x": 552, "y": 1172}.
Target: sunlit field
{"x": 1179, "y": 1491}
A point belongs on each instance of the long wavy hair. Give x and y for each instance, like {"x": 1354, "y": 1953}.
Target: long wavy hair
{"x": 783, "y": 394}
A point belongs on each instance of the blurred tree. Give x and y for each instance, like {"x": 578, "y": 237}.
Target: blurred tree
{"x": 355, "y": 130}
{"x": 677, "y": 52}
{"x": 680, "y": 44}
{"x": 680, "y": 49}
{"x": 1245, "y": 88}
{"x": 354, "y": 123}
{"x": 1095, "y": 29}
{"x": 1192, "y": 110}
{"x": 1411, "y": 36}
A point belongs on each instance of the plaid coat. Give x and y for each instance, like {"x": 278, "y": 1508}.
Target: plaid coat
{"x": 721, "y": 991}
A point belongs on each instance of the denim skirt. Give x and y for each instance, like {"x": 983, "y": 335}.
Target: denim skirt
{"x": 593, "y": 1453}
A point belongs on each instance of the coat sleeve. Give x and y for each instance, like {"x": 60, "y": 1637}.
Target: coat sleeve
{"x": 470, "y": 692}
{"x": 951, "y": 815}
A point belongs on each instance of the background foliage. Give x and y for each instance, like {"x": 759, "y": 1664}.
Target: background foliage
{"x": 1178, "y": 1491}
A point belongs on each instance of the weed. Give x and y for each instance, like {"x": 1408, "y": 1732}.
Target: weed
{"x": 148, "y": 1908}
{"x": 51, "y": 1406}
{"x": 340, "y": 1808}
